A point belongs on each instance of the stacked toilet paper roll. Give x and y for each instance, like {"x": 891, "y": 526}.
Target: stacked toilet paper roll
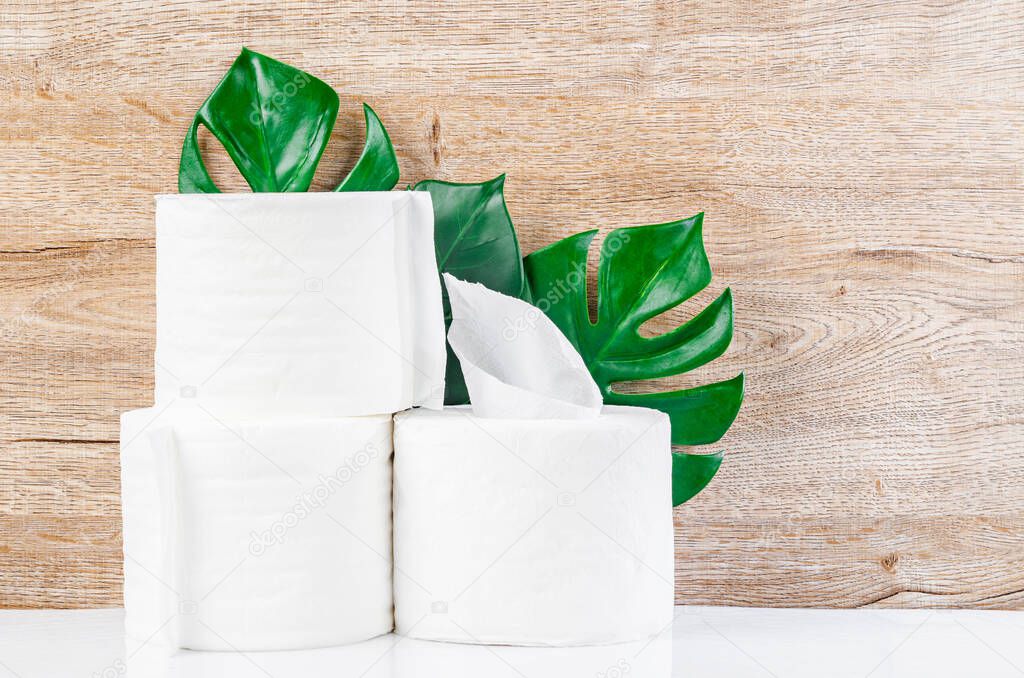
{"x": 256, "y": 534}
{"x": 533, "y": 532}
{"x": 534, "y": 517}
{"x": 326, "y": 304}
{"x": 257, "y": 492}
{"x": 257, "y": 489}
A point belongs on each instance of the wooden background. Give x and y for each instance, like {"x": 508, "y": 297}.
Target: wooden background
{"x": 861, "y": 171}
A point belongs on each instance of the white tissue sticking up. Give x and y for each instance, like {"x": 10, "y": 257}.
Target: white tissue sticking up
{"x": 516, "y": 362}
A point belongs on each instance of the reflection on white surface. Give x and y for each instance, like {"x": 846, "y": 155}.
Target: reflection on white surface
{"x": 395, "y": 656}
{"x": 734, "y": 642}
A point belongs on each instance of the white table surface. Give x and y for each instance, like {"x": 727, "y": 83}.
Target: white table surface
{"x": 703, "y": 641}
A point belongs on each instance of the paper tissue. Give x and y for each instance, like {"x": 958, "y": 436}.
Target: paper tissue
{"x": 534, "y": 517}
{"x": 255, "y": 534}
{"x": 323, "y": 304}
{"x": 540, "y": 376}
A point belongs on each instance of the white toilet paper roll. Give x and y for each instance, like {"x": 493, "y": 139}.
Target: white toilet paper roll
{"x": 533, "y": 532}
{"x": 315, "y": 304}
{"x": 255, "y": 535}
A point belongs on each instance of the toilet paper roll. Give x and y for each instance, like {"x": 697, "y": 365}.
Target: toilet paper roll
{"x": 255, "y": 535}
{"x": 315, "y": 304}
{"x": 533, "y": 532}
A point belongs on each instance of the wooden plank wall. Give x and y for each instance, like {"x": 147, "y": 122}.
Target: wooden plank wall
{"x": 861, "y": 171}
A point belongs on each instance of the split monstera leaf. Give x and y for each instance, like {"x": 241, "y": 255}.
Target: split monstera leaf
{"x": 274, "y": 121}
{"x": 643, "y": 272}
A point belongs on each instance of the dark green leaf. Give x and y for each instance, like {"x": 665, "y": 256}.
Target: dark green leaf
{"x": 475, "y": 241}
{"x": 643, "y": 272}
{"x": 377, "y": 167}
{"x": 273, "y": 120}
{"x": 700, "y": 415}
{"x": 691, "y": 473}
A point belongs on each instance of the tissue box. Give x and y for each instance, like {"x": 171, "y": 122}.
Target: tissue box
{"x": 255, "y": 534}
{"x": 533, "y": 532}
{"x": 319, "y": 304}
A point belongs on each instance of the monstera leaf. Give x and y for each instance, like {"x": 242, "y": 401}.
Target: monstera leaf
{"x": 275, "y": 121}
{"x": 377, "y": 167}
{"x": 474, "y": 240}
{"x": 691, "y": 473}
{"x": 643, "y": 272}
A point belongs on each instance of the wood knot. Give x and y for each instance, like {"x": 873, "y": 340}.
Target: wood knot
{"x": 435, "y": 139}
{"x": 46, "y": 90}
{"x": 890, "y": 561}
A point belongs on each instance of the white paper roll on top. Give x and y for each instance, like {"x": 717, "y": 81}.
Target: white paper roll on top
{"x": 255, "y": 534}
{"x": 319, "y": 304}
{"x": 533, "y": 532}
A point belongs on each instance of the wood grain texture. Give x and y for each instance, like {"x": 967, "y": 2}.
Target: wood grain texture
{"x": 862, "y": 173}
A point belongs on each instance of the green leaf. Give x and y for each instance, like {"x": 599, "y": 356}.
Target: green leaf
{"x": 691, "y": 473}
{"x": 700, "y": 416}
{"x": 273, "y": 120}
{"x": 377, "y": 167}
{"x": 643, "y": 272}
{"x": 475, "y": 241}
